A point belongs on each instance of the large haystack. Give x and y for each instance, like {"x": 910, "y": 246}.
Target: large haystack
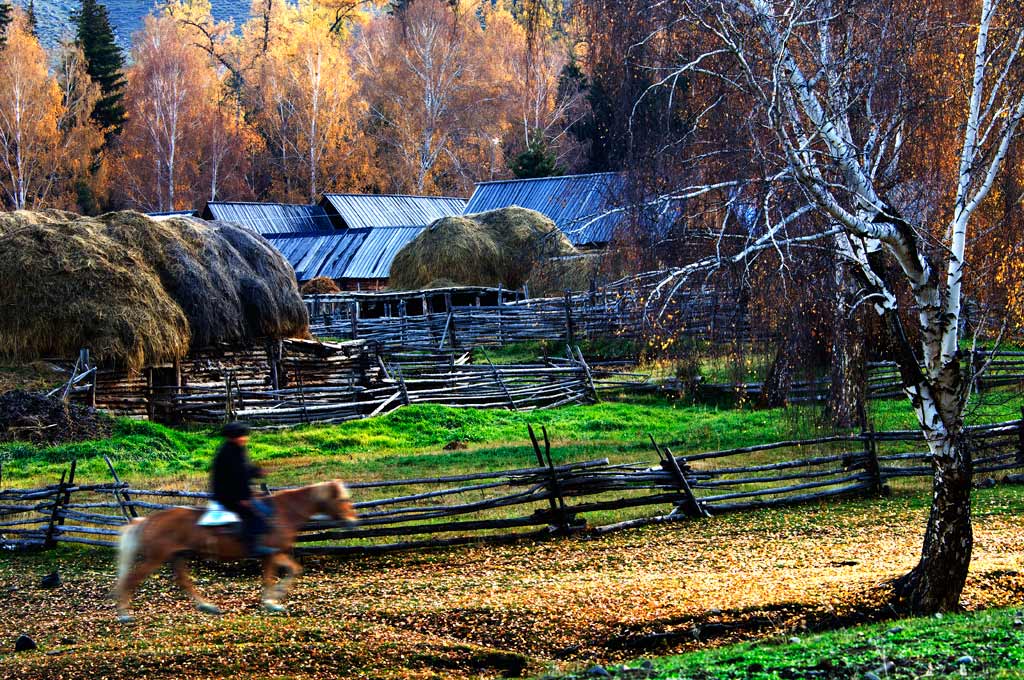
{"x": 319, "y": 285}
{"x": 138, "y": 290}
{"x": 504, "y": 246}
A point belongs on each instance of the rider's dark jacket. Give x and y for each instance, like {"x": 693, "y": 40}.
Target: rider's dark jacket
{"x": 231, "y": 475}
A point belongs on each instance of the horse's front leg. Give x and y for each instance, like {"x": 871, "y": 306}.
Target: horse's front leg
{"x": 274, "y": 593}
{"x": 184, "y": 579}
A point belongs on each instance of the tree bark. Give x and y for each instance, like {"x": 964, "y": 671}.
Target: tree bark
{"x": 937, "y": 581}
{"x": 779, "y": 379}
{"x": 848, "y": 370}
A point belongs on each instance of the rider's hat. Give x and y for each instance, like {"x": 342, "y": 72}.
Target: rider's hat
{"x": 235, "y": 430}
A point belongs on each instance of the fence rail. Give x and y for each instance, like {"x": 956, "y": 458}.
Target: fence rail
{"x": 551, "y": 497}
{"x": 298, "y": 382}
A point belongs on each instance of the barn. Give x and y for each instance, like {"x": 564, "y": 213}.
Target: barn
{"x": 350, "y": 238}
{"x": 591, "y": 210}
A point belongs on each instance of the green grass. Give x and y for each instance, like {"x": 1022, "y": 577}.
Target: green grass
{"x": 410, "y": 442}
{"x": 914, "y": 648}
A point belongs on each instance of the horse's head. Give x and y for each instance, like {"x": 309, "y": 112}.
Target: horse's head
{"x": 332, "y": 499}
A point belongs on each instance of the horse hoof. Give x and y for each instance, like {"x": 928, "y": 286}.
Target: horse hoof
{"x": 274, "y": 607}
{"x": 125, "y": 618}
{"x": 208, "y": 608}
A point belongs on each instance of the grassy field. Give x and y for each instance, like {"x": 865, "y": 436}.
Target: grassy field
{"x": 522, "y": 609}
{"x": 531, "y": 607}
{"x": 985, "y": 644}
{"x": 411, "y": 441}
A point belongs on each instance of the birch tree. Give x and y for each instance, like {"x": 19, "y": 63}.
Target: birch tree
{"x": 30, "y": 106}
{"x": 834, "y": 113}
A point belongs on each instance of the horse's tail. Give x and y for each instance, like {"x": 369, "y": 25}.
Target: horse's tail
{"x": 128, "y": 548}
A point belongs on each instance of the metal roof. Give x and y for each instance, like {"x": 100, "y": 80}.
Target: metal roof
{"x": 373, "y": 258}
{"x": 579, "y": 204}
{"x": 271, "y": 218}
{"x": 325, "y": 254}
{"x": 167, "y": 214}
{"x": 391, "y": 210}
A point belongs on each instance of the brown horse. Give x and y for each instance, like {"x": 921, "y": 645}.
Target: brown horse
{"x": 171, "y": 535}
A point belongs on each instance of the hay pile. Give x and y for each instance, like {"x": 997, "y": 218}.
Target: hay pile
{"x": 507, "y": 246}
{"x": 137, "y": 290}
{"x": 36, "y": 418}
{"x": 321, "y": 285}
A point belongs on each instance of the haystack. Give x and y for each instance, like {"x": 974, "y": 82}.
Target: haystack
{"x": 136, "y": 290}
{"x": 320, "y": 285}
{"x": 506, "y": 246}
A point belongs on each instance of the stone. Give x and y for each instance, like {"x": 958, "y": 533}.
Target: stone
{"x": 871, "y": 675}
{"x": 24, "y": 644}
{"x": 598, "y": 672}
{"x": 986, "y": 483}
{"x": 51, "y": 580}
{"x": 965, "y": 660}
{"x": 896, "y": 629}
{"x": 794, "y": 640}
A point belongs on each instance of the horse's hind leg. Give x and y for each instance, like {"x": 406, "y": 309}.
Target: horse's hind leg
{"x": 127, "y": 586}
{"x": 184, "y": 579}
{"x": 273, "y": 594}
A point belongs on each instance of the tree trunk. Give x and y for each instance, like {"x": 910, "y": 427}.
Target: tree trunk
{"x": 937, "y": 581}
{"x": 848, "y": 370}
{"x": 779, "y": 378}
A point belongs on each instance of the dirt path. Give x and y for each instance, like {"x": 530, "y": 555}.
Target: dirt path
{"x": 497, "y": 610}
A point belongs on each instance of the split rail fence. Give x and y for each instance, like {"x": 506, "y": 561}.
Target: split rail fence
{"x": 298, "y": 382}
{"x": 551, "y": 497}
{"x": 487, "y": 317}
{"x": 992, "y": 369}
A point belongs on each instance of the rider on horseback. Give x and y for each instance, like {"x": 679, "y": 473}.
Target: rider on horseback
{"x": 230, "y": 478}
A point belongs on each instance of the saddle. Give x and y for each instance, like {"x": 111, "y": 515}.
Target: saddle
{"x": 217, "y": 516}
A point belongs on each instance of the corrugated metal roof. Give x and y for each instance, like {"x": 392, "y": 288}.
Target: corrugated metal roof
{"x": 171, "y": 213}
{"x": 271, "y": 218}
{"x": 373, "y": 258}
{"x": 326, "y": 254}
{"x": 391, "y": 210}
{"x": 578, "y": 204}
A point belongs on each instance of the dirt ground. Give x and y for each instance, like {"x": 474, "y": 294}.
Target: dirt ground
{"x": 489, "y": 611}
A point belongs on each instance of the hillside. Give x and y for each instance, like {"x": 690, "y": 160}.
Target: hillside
{"x": 125, "y": 15}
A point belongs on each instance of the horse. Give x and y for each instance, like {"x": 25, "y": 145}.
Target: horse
{"x": 171, "y": 535}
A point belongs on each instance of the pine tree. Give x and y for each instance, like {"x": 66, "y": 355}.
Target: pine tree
{"x": 537, "y": 160}
{"x": 6, "y": 16}
{"x": 105, "y": 64}
{"x": 33, "y": 26}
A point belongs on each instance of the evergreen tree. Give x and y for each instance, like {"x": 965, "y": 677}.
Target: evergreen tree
{"x": 33, "y": 27}
{"x": 6, "y": 16}
{"x": 537, "y": 160}
{"x": 105, "y": 64}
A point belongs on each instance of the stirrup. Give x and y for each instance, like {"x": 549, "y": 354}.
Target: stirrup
{"x": 261, "y": 550}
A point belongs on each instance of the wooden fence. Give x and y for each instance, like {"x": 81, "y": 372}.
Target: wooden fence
{"x": 299, "y": 382}
{"x": 618, "y": 310}
{"x": 550, "y": 497}
{"x": 999, "y": 368}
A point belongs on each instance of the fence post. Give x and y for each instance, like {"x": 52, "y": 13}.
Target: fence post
{"x": 121, "y": 495}
{"x": 693, "y": 507}
{"x": 561, "y": 519}
{"x": 1020, "y": 438}
{"x": 353, "y": 317}
{"x": 871, "y": 465}
{"x": 570, "y": 331}
{"x": 58, "y": 499}
{"x": 501, "y": 336}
